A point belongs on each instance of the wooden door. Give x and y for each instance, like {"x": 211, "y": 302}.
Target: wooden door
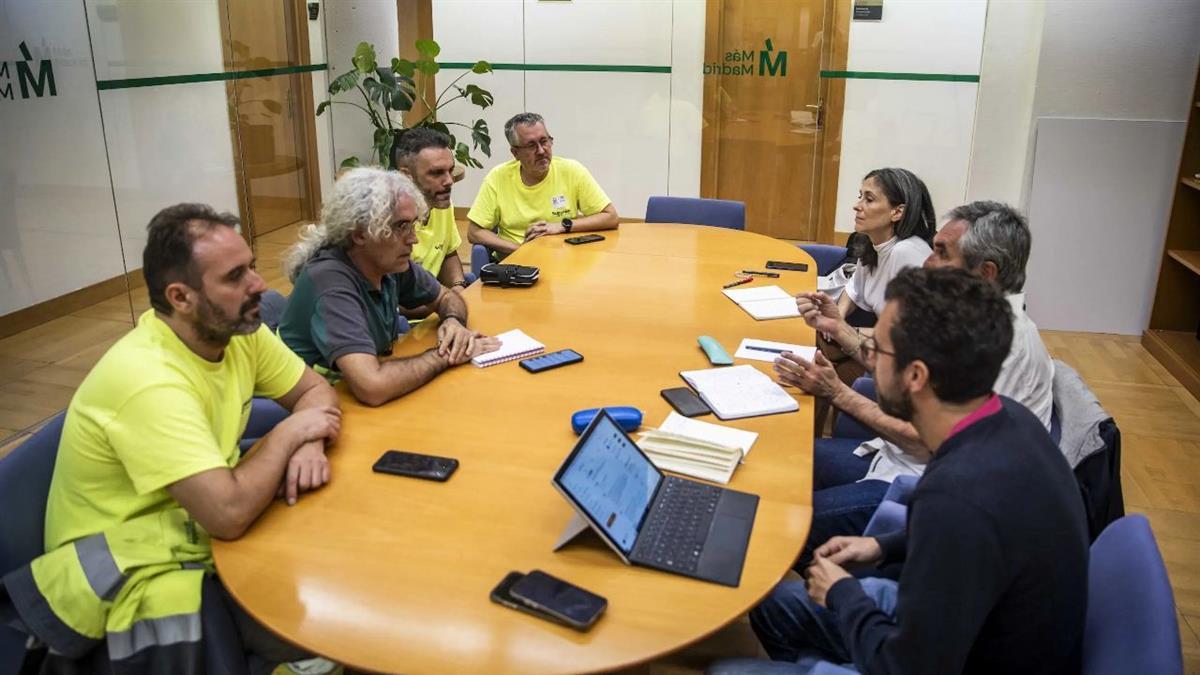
{"x": 762, "y": 111}
{"x": 273, "y": 151}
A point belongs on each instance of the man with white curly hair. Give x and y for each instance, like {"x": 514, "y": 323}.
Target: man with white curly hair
{"x": 352, "y": 273}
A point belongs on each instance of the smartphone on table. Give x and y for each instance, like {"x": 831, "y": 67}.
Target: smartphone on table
{"x": 558, "y": 599}
{"x": 414, "y": 465}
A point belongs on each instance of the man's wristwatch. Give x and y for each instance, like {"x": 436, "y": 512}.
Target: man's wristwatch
{"x": 460, "y": 282}
{"x": 567, "y": 225}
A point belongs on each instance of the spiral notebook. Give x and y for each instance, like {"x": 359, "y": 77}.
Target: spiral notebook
{"x": 514, "y": 344}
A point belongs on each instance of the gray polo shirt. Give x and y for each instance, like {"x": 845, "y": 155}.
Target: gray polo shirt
{"x": 334, "y": 310}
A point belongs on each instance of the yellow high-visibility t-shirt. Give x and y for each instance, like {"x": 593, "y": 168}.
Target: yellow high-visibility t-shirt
{"x": 151, "y": 413}
{"x": 567, "y": 191}
{"x": 436, "y": 239}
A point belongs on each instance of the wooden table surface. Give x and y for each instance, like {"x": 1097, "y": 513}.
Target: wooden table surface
{"x": 392, "y": 574}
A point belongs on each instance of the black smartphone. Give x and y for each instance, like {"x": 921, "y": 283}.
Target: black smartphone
{"x": 789, "y": 266}
{"x": 560, "y": 599}
{"x": 562, "y": 357}
{"x": 584, "y": 239}
{"x": 411, "y": 464}
{"x": 502, "y": 595}
{"x": 685, "y": 401}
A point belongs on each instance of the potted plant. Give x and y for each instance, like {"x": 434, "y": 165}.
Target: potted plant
{"x": 385, "y": 91}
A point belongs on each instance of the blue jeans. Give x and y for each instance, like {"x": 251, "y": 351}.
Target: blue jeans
{"x": 841, "y": 505}
{"x": 800, "y": 636}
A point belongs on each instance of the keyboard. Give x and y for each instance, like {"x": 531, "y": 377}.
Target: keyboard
{"x": 674, "y": 532}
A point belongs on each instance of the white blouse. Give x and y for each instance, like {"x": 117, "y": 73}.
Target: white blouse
{"x": 868, "y": 285}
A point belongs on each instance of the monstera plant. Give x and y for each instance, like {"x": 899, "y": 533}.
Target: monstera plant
{"x": 388, "y": 92}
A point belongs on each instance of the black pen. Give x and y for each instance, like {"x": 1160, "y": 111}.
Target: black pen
{"x": 773, "y": 275}
{"x": 773, "y": 350}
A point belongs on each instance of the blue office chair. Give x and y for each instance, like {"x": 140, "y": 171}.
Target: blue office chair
{"x": 480, "y": 256}
{"x": 271, "y": 309}
{"x": 892, "y": 513}
{"x": 694, "y": 211}
{"x": 1131, "y": 621}
{"x": 24, "y": 488}
{"x": 828, "y": 257}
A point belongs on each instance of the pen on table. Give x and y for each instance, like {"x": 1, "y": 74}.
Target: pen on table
{"x": 738, "y": 282}
{"x": 773, "y": 350}
{"x": 773, "y": 275}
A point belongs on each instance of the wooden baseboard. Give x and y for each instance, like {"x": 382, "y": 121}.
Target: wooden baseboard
{"x": 1179, "y": 353}
{"x": 54, "y": 308}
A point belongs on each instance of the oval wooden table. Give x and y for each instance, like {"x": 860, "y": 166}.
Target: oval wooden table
{"x": 393, "y": 574}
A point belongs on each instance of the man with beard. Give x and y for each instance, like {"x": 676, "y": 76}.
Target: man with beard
{"x": 995, "y": 551}
{"x": 988, "y": 239}
{"x": 149, "y": 468}
{"x": 353, "y": 273}
{"x": 424, "y": 156}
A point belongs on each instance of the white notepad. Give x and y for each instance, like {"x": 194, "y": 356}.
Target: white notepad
{"x": 764, "y": 302}
{"x": 514, "y": 344}
{"x": 707, "y": 431}
{"x": 766, "y": 350}
{"x": 740, "y": 391}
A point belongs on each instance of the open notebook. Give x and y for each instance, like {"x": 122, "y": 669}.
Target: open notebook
{"x": 764, "y": 302}
{"x": 698, "y": 449}
{"x": 739, "y": 391}
{"x": 514, "y": 344}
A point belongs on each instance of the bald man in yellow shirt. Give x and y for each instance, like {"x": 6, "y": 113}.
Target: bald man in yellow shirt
{"x": 536, "y": 193}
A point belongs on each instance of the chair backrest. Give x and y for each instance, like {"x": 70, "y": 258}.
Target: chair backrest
{"x": 889, "y": 517}
{"x": 1131, "y": 621}
{"x": 827, "y": 256}
{"x": 694, "y": 211}
{"x": 24, "y": 486}
{"x": 480, "y": 256}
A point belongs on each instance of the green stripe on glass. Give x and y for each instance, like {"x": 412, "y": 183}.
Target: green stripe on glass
{"x": 132, "y": 83}
{"x": 563, "y": 67}
{"x": 916, "y": 77}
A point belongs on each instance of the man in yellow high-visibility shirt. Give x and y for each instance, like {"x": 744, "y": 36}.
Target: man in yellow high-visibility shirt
{"x": 149, "y": 470}
{"x": 424, "y": 155}
{"x": 536, "y": 193}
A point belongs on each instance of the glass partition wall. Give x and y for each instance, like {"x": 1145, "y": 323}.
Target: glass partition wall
{"x": 109, "y": 111}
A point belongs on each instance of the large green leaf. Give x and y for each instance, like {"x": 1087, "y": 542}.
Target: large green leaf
{"x": 321, "y": 108}
{"x": 364, "y": 58}
{"x": 481, "y": 67}
{"x": 428, "y": 67}
{"x": 404, "y": 67}
{"x": 350, "y": 163}
{"x": 479, "y": 96}
{"x": 387, "y": 77}
{"x": 344, "y": 82}
{"x": 428, "y": 48}
{"x": 375, "y": 90}
{"x": 401, "y": 100}
{"x": 482, "y": 137}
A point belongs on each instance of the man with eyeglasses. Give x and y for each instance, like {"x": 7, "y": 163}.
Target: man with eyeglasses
{"x": 352, "y": 273}
{"x": 536, "y": 193}
{"x": 995, "y": 551}
{"x": 988, "y": 239}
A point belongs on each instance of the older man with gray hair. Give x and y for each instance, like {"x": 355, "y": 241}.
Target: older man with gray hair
{"x": 989, "y": 239}
{"x": 351, "y": 274}
{"x": 536, "y": 193}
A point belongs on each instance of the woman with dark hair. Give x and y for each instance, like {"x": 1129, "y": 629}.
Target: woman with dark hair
{"x": 896, "y": 215}
{"x": 894, "y": 223}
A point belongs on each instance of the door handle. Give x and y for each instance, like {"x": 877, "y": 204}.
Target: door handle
{"x": 818, "y": 110}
